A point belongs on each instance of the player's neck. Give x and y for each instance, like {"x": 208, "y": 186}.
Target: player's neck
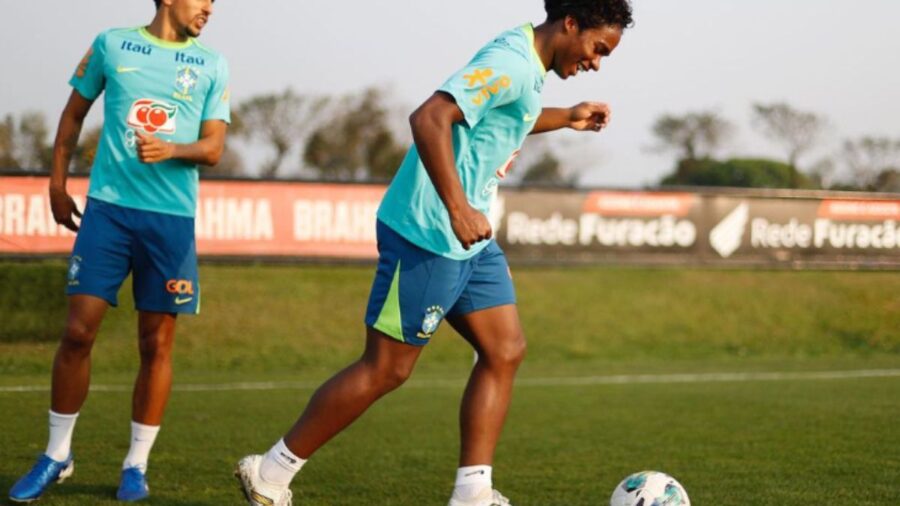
{"x": 163, "y": 29}
{"x": 543, "y": 43}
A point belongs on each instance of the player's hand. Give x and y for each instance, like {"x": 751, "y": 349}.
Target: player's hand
{"x": 470, "y": 226}
{"x": 152, "y": 149}
{"x": 63, "y": 207}
{"x": 589, "y": 116}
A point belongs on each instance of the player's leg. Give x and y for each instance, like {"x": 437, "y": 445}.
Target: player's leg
{"x": 156, "y": 338}
{"x": 487, "y": 317}
{"x": 384, "y": 365}
{"x": 72, "y": 363}
{"x": 496, "y": 335}
{"x": 165, "y": 284}
{"x": 99, "y": 263}
{"x": 411, "y": 288}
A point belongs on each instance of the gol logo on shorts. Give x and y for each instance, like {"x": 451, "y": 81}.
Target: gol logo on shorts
{"x": 180, "y": 287}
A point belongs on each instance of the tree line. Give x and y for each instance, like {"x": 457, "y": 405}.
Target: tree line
{"x": 362, "y": 137}
{"x": 869, "y": 163}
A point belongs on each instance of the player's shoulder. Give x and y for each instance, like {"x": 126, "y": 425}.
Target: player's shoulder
{"x": 512, "y": 46}
{"x": 119, "y": 33}
{"x": 112, "y": 36}
{"x": 210, "y": 52}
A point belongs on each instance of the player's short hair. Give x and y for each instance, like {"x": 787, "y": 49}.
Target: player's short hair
{"x": 157, "y": 3}
{"x": 591, "y": 13}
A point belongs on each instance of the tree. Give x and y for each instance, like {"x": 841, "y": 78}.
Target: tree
{"x": 23, "y": 143}
{"x": 694, "y": 135}
{"x": 547, "y": 170}
{"x": 86, "y": 151}
{"x": 888, "y": 180}
{"x": 231, "y": 164}
{"x": 280, "y": 120}
{"x": 797, "y": 131}
{"x": 356, "y": 142}
{"x": 7, "y": 144}
{"x": 871, "y": 160}
{"x": 739, "y": 172}
{"x": 34, "y": 152}
{"x": 384, "y": 155}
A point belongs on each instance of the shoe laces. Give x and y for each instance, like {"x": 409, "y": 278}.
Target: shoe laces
{"x": 499, "y": 500}
{"x": 286, "y": 498}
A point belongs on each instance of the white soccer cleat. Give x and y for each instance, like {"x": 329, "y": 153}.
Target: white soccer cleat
{"x": 487, "y": 497}
{"x": 247, "y": 473}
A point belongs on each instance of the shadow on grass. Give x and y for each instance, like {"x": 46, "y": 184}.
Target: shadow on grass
{"x": 68, "y": 490}
{"x": 72, "y": 492}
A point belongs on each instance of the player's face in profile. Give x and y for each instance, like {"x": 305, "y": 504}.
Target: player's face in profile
{"x": 585, "y": 48}
{"x": 192, "y": 15}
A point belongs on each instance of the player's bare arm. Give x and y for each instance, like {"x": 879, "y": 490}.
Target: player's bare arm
{"x": 431, "y": 127}
{"x": 70, "y": 124}
{"x": 584, "y": 117}
{"x": 206, "y": 151}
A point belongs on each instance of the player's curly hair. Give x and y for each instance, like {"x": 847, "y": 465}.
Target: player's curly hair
{"x": 591, "y": 13}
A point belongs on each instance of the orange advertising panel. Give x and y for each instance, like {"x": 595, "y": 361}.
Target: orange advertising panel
{"x": 26, "y": 223}
{"x": 610, "y": 203}
{"x": 860, "y": 210}
{"x": 233, "y": 218}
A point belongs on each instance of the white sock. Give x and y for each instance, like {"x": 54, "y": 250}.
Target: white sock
{"x": 471, "y": 482}
{"x": 59, "y": 444}
{"x": 142, "y": 438}
{"x": 279, "y": 466}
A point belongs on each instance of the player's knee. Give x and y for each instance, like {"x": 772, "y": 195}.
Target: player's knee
{"x": 391, "y": 376}
{"x": 508, "y": 352}
{"x": 78, "y": 337}
{"x": 155, "y": 346}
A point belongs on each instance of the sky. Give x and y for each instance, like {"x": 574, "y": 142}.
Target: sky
{"x": 838, "y": 58}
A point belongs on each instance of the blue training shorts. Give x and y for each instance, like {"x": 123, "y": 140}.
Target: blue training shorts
{"x": 158, "y": 248}
{"x": 415, "y": 289}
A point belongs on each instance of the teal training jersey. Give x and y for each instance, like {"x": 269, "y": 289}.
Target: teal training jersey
{"x": 156, "y": 87}
{"x": 499, "y": 93}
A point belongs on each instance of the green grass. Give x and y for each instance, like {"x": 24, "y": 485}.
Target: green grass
{"x": 791, "y": 443}
{"x": 307, "y": 320}
{"x": 780, "y": 442}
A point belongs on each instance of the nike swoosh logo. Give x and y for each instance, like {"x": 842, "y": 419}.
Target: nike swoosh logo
{"x": 529, "y": 118}
{"x": 179, "y": 301}
{"x": 121, "y": 70}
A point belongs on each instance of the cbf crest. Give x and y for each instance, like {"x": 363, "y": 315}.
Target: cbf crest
{"x": 186, "y": 79}
{"x": 433, "y": 317}
{"x": 74, "y": 269}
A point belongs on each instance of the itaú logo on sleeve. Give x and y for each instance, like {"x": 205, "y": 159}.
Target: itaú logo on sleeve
{"x": 152, "y": 116}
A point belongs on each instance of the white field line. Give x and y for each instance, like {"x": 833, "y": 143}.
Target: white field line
{"x": 521, "y": 382}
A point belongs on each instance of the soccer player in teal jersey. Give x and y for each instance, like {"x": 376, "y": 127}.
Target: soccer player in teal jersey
{"x": 166, "y": 110}
{"x": 436, "y": 257}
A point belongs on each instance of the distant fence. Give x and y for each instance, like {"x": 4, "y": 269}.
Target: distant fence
{"x": 301, "y": 220}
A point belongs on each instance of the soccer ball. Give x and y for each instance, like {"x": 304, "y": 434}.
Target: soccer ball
{"x": 649, "y": 488}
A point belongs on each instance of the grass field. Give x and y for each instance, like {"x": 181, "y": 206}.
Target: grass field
{"x": 597, "y": 398}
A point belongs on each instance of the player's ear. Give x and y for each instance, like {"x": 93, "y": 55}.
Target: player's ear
{"x": 570, "y": 25}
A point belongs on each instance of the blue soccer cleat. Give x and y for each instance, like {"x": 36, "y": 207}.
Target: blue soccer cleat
{"x": 44, "y": 472}
{"x": 133, "y": 486}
